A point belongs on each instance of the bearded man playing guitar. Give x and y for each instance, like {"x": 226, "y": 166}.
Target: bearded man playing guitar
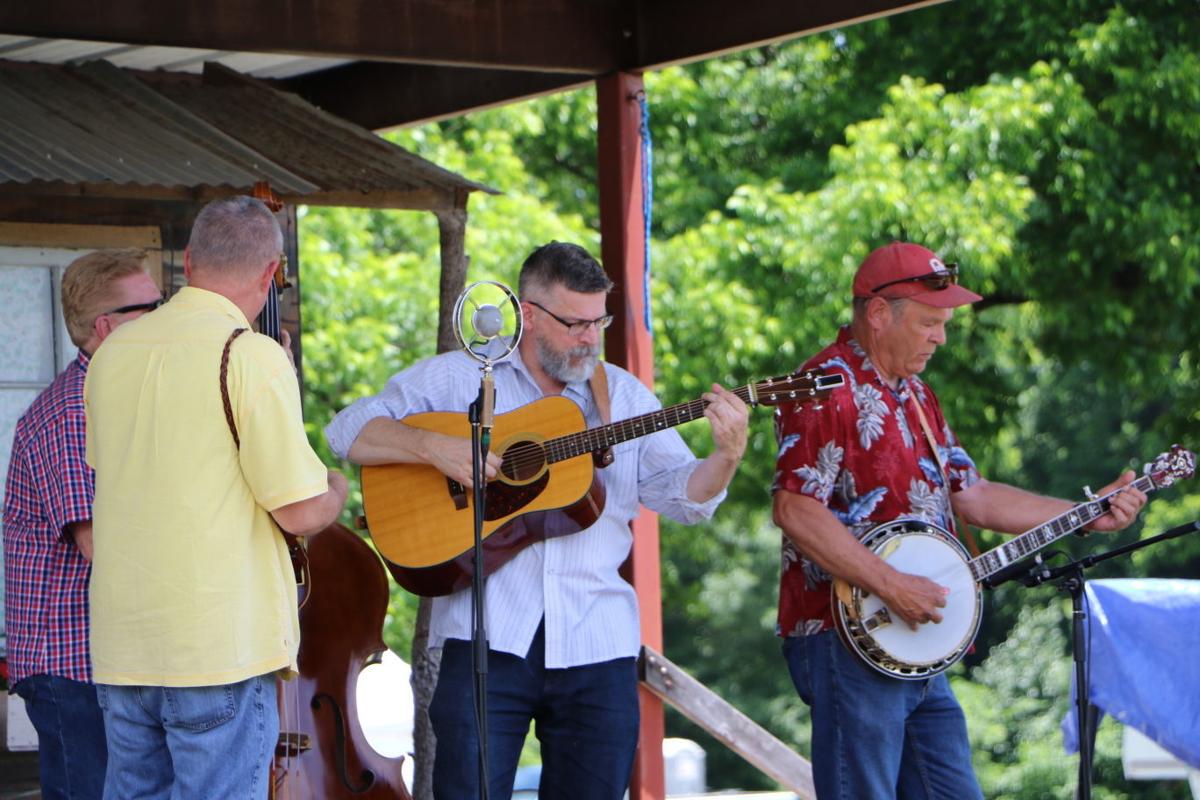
{"x": 862, "y": 458}
{"x": 562, "y": 623}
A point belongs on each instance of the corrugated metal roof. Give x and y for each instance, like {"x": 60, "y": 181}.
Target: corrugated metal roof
{"x": 96, "y": 129}
{"x": 174, "y": 59}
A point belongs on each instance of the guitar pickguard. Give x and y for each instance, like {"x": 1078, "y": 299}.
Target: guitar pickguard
{"x": 505, "y": 498}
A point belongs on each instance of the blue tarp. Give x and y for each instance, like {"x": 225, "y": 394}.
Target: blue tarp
{"x": 1145, "y": 661}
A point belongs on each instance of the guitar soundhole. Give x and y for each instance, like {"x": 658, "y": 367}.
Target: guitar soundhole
{"x": 523, "y": 461}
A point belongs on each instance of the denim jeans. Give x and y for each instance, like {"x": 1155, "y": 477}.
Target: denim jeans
{"x": 70, "y": 729}
{"x": 586, "y": 719}
{"x": 878, "y": 737}
{"x": 190, "y": 743}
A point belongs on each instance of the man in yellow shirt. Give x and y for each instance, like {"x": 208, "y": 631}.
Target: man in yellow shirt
{"x": 193, "y": 595}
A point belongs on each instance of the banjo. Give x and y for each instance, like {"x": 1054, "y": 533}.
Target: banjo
{"x": 888, "y": 645}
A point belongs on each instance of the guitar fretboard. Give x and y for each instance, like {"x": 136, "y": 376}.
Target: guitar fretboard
{"x": 1050, "y": 531}
{"x": 596, "y": 439}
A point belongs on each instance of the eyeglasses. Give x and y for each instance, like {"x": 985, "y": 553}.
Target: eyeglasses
{"x": 576, "y": 327}
{"x": 153, "y": 304}
{"x": 934, "y": 281}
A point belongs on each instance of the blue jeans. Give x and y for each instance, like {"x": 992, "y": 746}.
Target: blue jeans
{"x": 70, "y": 729}
{"x": 878, "y": 737}
{"x": 586, "y": 719}
{"x": 190, "y": 743}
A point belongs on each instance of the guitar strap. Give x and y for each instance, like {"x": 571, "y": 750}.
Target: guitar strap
{"x": 296, "y": 547}
{"x": 963, "y": 530}
{"x": 599, "y": 384}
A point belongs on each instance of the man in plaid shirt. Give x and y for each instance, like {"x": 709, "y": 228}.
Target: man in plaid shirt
{"x": 48, "y": 533}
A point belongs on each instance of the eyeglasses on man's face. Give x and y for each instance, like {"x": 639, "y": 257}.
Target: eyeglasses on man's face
{"x": 576, "y": 327}
{"x": 129, "y": 309}
{"x": 934, "y": 281}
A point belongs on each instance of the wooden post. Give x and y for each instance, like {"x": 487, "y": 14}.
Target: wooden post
{"x": 629, "y": 344}
{"x": 452, "y": 230}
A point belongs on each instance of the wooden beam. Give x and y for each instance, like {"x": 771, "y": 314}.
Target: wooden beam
{"x": 553, "y": 35}
{"x": 725, "y": 723}
{"x": 417, "y": 199}
{"x": 680, "y": 31}
{"x": 628, "y": 343}
{"x": 377, "y": 95}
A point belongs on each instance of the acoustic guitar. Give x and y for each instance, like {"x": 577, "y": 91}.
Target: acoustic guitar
{"x": 884, "y": 643}
{"x": 423, "y": 523}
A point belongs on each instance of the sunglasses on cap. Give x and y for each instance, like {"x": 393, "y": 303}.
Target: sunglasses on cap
{"x": 934, "y": 281}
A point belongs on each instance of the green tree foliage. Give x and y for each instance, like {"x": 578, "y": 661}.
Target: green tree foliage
{"x": 1052, "y": 148}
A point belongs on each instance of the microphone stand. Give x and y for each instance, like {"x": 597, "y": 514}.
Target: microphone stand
{"x": 486, "y": 323}
{"x": 480, "y": 416}
{"x": 1071, "y": 581}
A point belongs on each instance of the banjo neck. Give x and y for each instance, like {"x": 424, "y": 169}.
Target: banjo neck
{"x": 1048, "y": 532}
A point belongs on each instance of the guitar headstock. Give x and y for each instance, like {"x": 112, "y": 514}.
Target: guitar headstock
{"x": 1174, "y": 465}
{"x": 799, "y": 387}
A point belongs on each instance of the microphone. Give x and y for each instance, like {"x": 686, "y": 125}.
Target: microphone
{"x": 487, "y": 321}
{"x": 1015, "y": 570}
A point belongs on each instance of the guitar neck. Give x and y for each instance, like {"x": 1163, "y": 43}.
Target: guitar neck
{"x": 594, "y": 440}
{"x": 1050, "y": 531}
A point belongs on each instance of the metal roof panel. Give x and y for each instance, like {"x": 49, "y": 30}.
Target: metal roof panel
{"x": 96, "y": 124}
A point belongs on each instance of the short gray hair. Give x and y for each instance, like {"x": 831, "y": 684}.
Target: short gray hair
{"x": 565, "y": 264}
{"x": 897, "y": 303}
{"x": 235, "y": 236}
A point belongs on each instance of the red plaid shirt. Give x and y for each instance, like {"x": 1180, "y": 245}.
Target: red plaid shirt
{"x": 861, "y": 452}
{"x": 49, "y": 486}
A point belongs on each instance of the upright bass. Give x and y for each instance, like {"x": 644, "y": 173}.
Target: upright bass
{"x": 343, "y": 596}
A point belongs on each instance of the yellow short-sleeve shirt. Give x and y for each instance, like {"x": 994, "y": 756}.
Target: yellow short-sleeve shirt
{"x": 191, "y": 581}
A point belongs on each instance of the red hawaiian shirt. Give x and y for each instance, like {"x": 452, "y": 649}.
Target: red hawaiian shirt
{"x": 861, "y": 452}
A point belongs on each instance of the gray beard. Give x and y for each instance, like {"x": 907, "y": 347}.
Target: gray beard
{"x": 569, "y": 366}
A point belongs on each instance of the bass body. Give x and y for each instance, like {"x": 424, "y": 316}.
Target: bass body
{"x": 884, "y": 641}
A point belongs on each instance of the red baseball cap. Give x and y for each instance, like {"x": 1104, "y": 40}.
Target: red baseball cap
{"x": 901, "y": 269}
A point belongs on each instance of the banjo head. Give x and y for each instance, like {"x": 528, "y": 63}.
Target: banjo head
{"x": 881, "y": 638}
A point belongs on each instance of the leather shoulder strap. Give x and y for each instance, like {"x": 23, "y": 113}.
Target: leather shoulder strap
{"x": 964, "y": 530}
{"x": 225, "y": 388}
{"x": 599, "y": 384}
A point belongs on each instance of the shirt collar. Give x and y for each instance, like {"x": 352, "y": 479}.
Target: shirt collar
{"x": 195, "y": 296}
{"x": 863, "y": 363}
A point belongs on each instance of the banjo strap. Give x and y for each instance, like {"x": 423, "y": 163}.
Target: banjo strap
{"x": 963, "y": 530}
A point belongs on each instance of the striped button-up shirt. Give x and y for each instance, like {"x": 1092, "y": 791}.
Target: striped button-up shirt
{"x": 49, "y": 486}
{"x": 590, "y": 611}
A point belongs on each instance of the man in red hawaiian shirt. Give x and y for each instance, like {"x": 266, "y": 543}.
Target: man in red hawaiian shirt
{"x": 859, "y": 459}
